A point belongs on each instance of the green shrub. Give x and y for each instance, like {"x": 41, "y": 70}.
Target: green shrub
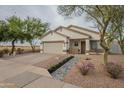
{"x": 55, "y": 67}
{"x": 1, "y": 53}
{"x": 114, "y": 69}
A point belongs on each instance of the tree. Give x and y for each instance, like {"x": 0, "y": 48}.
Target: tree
{"x": 120, "y": 32}
{"x": 104, "y": 17}
{"x": 34, "y": 29}
{"x": 121, "y": 38}
{"x": 16, "y": 31}
{"x": 3, "y": 30}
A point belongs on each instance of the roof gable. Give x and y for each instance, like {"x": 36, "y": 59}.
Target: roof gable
{"x": 72, "y": 34}
{"x": 70, "y": 26}
{"x": 93, "y": 34}
{"x": 75, "y": 31}
{"x": 53, "y": 36}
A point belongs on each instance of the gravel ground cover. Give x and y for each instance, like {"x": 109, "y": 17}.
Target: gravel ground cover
{"x": 59, "y": 73}
{"x": 97, "y": 78}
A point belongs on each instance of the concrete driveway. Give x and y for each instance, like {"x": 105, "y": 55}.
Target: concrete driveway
{"x": 14, "y": 70}
{"x": 29, "y": 59}
{"x": 19, "y": 72}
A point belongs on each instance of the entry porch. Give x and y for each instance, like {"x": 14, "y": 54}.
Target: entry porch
{"x": 82, "y": 46}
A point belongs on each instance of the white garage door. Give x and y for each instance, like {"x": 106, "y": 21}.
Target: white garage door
{"x": 55, "y": 48}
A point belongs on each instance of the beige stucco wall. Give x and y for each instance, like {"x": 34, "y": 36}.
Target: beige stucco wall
{"x": 53, "y": 43}
{"x": 72, "y": 35}
{"x": 95, "y": 36}
{"x": 115, "y": 48}
{"x": 53, "y": 37}
{"x": 98, "y": 45}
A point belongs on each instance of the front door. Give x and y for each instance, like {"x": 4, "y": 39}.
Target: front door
{"x": 82, "y": 47}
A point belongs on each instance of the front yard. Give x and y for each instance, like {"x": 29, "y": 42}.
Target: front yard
{"x": 69, "y": 72}
{"x": 97, "y": 77}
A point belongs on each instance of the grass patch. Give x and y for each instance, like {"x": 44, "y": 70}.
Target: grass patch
{"x": 55, "y": 67}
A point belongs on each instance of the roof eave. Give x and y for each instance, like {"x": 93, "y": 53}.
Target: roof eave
{"x": 83, "y": 28}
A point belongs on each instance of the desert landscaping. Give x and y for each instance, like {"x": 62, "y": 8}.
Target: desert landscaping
{"x": 38, "y": 53}
{"x": 98, "y": 77}
{"x": 73, "y": 71}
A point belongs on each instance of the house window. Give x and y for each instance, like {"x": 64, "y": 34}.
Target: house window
{"x": 93, "y": 45}
{"x": 75, "y": 43}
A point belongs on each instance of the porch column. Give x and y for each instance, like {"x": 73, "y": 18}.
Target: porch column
{"x": 87, "y": 46}
{"x": 65, "y": 46}
{"x": 41, "y": 48}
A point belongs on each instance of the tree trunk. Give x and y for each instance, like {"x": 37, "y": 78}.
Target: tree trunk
{"x": 33, "y": 48}
{"x": 13, "y": 47}
{"x": 105, "y": 56}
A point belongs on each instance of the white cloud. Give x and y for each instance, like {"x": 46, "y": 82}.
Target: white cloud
{"x": 46, "y": 13}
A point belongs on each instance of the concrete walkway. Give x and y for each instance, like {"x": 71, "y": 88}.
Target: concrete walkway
{"x": 19, "y": 72}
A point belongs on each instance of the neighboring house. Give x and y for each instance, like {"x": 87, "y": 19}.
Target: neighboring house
{"x": 73, "y": 40}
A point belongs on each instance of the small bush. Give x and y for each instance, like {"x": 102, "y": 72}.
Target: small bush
{"x": 19, "y": 50}
{"x": 85, "y": 67}
{"x": 114, "y": 69}
{"x": 6, "y": 50}
{"x": 1, "y": 53}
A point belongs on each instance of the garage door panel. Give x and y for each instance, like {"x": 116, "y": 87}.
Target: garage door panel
{"x": 53, "y": 47}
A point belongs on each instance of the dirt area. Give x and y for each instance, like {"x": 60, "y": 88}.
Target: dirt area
{"x": 51, "y": 61}
{"x": 29, "y": 58}
{"x": 25, "y": 48}
{"x": 97, "y": 77}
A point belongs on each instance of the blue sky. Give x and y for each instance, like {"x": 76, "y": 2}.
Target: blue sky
{"x": 46, "y": 13}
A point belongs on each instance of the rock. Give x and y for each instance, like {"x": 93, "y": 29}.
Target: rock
{"x": 61, "y": 72}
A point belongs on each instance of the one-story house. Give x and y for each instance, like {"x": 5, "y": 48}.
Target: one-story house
{"x": 73, "y": 40}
